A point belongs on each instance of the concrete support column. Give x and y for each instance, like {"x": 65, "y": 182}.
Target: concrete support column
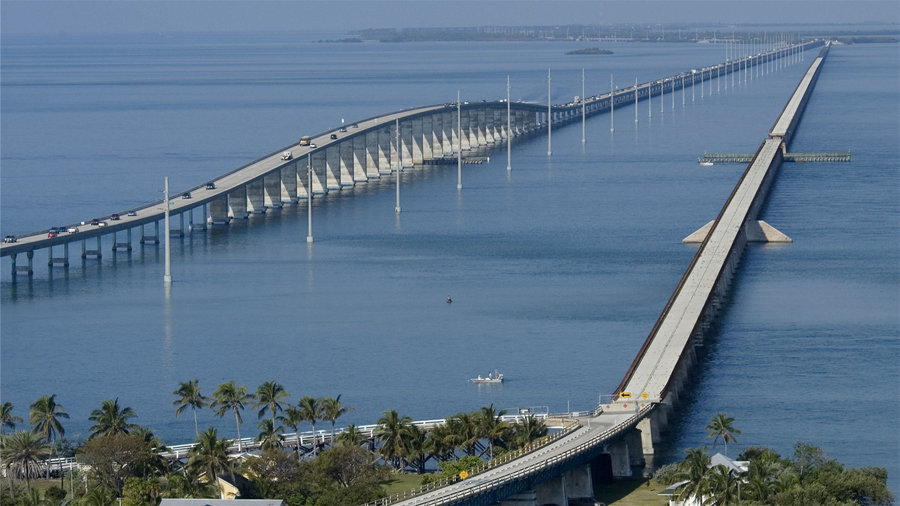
{"x": 256, "y": 197}
{"x": 406, "y": 142}
{"x": 237, "y": 203}
{"x": 346, "y": 162}
{"x": 427, "y": 138}
{"x": 372, "y": 155}
{"x": 332, "y": 167}
{"x": 447, "y": 131}
{"x": 621, "y": 463}
{"x": 500, "y": 130}
{"x": 416, "y": 141}
{"x": 579, "y": 486}
{"x": 455, "y": 141}
{"x": 437, "y": 135}
{"x": 359, "y": 159}
{"x": 478, "y": 127}
{"x": 489, "y": 126}
{"x": 320, "y": 173}
{"x": 385, "y": 154}
{"x": 272, "y": 189}
{"x": 635, "y": 449}
{"x": 464, "y": 137}
{"x": 396, "y": 146}
{"x": 649, "y": 434}
{"x": 218, "y": 212}
{"x": 289, "y": 183}
{"x": 552, "y": 491}
{"x": 29, "y": 269}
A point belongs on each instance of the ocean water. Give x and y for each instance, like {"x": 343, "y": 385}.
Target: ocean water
{"x": 558, "y": 269}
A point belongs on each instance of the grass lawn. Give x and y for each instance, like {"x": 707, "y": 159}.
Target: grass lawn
{"x": 400, "y": 482}
{"x": 630, "y": 492}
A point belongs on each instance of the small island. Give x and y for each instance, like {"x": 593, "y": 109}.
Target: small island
{"x": 590, "y": 50}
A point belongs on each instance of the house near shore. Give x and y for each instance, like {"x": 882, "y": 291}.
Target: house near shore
{"x": 738, "y": 467}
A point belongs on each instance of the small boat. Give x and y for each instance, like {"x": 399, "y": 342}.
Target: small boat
{"x": 706, "y": 163}
{"x": 495, "y": 377}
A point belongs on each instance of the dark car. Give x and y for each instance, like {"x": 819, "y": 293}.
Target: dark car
{"x": 342, "y": 129}
{"x": 210, "y": 186}
{"x": 61, "y": 230}
{"x": 95, "y": 222}
{"x": 114, "y": 216}
{"x": 186, "y": 195}
{"x": 9, "y": 239}
{"x": 334, "y": 136}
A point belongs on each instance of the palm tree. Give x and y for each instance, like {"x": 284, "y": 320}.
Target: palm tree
{"x": 464, "y": 428}
{"x": 189, "y": 395}
{"x": 293, "y": 417}
{"x": 352, "y": 436}
{"x": 310, "y": 411}
{"x": 268, "y": 396}
{"x": 694, "y": 469}
{"x": 721, "y": 426}
{"x": 110, "y": 419}
{"x": 528, "y": 430}
{"x": 209, "y": 455}
{"x": 269, "y": 436}
{"x": 415, "y": 447}
{"x": 229, "y": 396}
{"x": 22, "y": 453}
{"x": 392, "y": 431}
{"x": 724, "y": 485}
{"x": 332, "y": 409}
{"x": 7, "y": 419}
{"x": 491, "y": 427}
{"x": 44, "y": 417}
{"x": 441, "y": 443}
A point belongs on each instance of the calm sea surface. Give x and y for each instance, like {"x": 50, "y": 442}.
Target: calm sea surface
{"x": 557, "y": 270}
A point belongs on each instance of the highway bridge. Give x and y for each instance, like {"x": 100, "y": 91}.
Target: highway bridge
{"x": 616, "y": 436}
{"x": 347, "y": 156}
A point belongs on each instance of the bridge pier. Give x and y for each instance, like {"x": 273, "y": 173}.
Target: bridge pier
{"x": 552, "y": 491}
{"x": 417, "y": 139}
{"x": 319, "y": 183}
{"x": 345, "y": 149}
{"x": 218, "y": 211}
{"x": 64, "y": 260}
{"x": 237, "y": 203}
{"x": 124, "y": 246}
{"x": 27, "y": 269}
{"x": 427, "y": 135}
{"x": 332, "y": 167}
{"x": 358, "y": 157}
{"x": 620, "y": 461}
{"x": 406, "y": 140}
{"x": 437, "y": 135}
{"x": 386, "y": 152}
{"x": 272, "y": 189}
{"x": 289, "y": 182}
{"x": 372, "y": 160}
{"x": 256, "y": 197}
{"x": 96, "y": 253}
{"x": 464, "y": 134}
{"x": 448, "y": 130}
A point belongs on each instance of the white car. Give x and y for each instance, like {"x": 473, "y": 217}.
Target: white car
{"x": 287, "y": 155}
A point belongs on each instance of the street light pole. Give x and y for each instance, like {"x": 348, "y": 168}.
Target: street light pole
{"x": 309, "y": 201}
{"x": 167, "y": 277}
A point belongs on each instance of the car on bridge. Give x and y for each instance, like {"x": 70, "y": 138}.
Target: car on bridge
{"x": 210, "y": 186}
{"x": 287, "y": 155}
{"x": 334, "y": 136}
{"x": 51, "y": 233}
{"x": 73, "y": 230}
{"x": 9, "y": 239}
{"x": 114, "y": 216}
{"x": 186, "y": 195}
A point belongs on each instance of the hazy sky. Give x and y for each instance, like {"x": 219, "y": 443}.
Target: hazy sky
{"x": 88, "y": 16}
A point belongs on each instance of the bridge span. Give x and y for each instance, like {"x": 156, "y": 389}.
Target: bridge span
{"x": 343, "y": 157}
{"x": 622, "y": 433}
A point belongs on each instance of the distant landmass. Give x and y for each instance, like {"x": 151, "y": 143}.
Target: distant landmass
{"x": 590, "y": 50}
{"x": 715, "y": 33}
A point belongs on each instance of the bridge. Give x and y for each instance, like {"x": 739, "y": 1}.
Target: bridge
{"x": 343, "y": 157}
{"x": 617, "y": 435}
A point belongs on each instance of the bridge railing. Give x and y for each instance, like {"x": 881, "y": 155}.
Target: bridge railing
{"x": 530, "y": 470}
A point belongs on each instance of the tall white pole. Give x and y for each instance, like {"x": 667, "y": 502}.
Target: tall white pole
{"x": 549, "y": 116}
{"x": 508, "y": 129}
{"x": 583, "y": 140}
{"x": 309, "y": 198}
{"x": 459, "y": 135}
{"x": 635, "y": 100}
{"x": 612, "y": 101}
{"x": 167, "y": 277}
{"x": 650, "y": 100}
{"x": 399, "y": 161}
